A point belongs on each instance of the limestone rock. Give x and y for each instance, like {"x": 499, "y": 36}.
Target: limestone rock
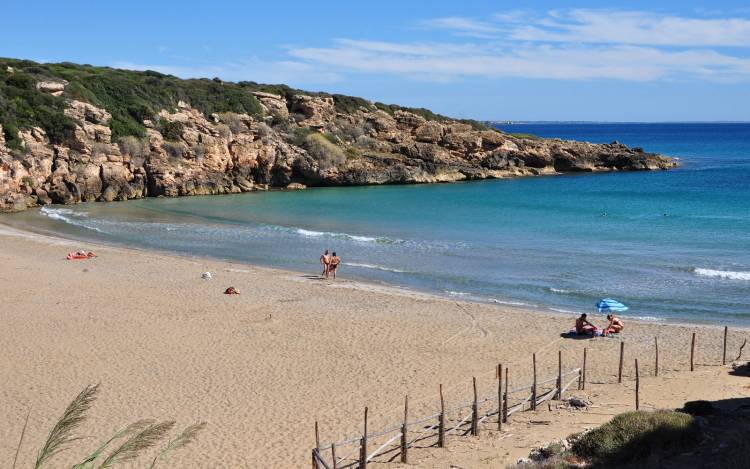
{"x": 232, "y": 153}
{"x": 55, "y": 88}
{"x": 318, "y": 111}
{"x": 272, "y": 104}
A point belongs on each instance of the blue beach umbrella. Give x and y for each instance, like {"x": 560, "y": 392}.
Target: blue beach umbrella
{"x": 608, "y": 305}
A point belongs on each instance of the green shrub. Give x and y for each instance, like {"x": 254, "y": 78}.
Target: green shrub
{"x": 134, "y": 147}
{"x": 176, "y": 151}
{"x": 300, "y": 134}
{"x": 171, "y": 130}
{"x": 233, "y": 120}
{"x": 525, "y": 136}
{"x": 323, "y": 151}
{"x": 637, "y": 436}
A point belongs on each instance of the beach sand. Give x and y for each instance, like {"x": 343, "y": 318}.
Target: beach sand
{"x": 261, "y": 367}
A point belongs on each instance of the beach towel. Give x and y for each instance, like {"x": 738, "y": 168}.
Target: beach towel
{"x": 597, "y": 332}
{"x": 80, "y": 255}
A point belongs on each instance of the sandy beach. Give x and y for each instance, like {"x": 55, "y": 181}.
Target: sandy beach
{"x": 261, "y": 367}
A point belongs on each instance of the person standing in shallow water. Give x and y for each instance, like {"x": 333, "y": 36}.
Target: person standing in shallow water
{"x": 325, "y": 260}
{"x": 333, "y": 265}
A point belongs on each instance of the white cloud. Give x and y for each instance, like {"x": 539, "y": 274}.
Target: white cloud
{"x": 560, "y": 44}
{"x": 634, "y": 27}
{"x": 462, "y": 26}
{"x": 555, "y": 61}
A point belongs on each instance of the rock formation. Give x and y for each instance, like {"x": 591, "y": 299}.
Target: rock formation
{"x": 303, "y": 141}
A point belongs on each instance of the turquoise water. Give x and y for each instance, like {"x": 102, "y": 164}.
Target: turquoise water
{"x": 671, "y": 245}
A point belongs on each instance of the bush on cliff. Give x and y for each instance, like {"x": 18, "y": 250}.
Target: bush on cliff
{"x": 638, "y": 436}
{"x": 23, "y": 106}
{"x": 323, "y": 151}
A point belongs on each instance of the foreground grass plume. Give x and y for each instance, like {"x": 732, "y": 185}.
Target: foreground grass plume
{"x": 125, "y": 445}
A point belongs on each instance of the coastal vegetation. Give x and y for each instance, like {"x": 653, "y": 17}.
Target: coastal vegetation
{"x": 631, "y": 439}
{"x": 134, "y": 96}
{"x": 124, "y": 446}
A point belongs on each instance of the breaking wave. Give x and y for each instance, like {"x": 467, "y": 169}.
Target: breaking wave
{"x": 329, "y": 234}
{"x": 375, "y": 267}
{"x": 725, "y": 274}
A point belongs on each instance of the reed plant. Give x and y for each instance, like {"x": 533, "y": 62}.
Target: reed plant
{"x": 126, "y": 445}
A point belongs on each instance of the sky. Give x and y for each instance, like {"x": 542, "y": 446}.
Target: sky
{"x": 489, "y": 60}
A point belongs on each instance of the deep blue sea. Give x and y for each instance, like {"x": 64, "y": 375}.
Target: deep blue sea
{"x": 672, "y": 245}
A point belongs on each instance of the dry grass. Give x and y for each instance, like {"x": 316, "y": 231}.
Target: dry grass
{"x": 136, "y": 439}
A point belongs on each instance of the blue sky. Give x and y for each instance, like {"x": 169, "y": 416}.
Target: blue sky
{"x": 532, "y": 60}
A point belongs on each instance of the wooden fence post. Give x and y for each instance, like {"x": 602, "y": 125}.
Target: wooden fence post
{"x": 317, "y": 447}
{"x": 622, "y": 354}
{"x": 474, "y": 410}
{"x": 533, "y": 386}
{"x": 499, "y": 397}
{"x": 505, "y": 397}
{"x": 441, "y": 421}
{"x": 656, "y": 364}
{"x": 583, "y": 370}
{"x": 363, "y": 446}
{"x": 404, "y": 447}
{"x": 724, "y": 354}
{"x": 559, "y": 375}
{"x": 637, "y": 386}
{"x": 692, "y": 352}
{"x": 333, "y": 456}
{"x": 317, "y": 436}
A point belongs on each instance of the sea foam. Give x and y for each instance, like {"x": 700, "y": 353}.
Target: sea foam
{"x": 374, "y": 267}
{"x": 725, "y": 274}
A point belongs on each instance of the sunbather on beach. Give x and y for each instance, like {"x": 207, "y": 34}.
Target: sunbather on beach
{"x": 583, "y": 326}
{"x": 335, "y": 261}
{"x": 325, "y": 259}
{"x": 615, "y": 325}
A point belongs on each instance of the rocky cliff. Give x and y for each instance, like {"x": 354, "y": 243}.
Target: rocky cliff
{"x": 292, "y": 141}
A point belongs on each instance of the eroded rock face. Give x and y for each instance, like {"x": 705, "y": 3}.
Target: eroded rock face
{"x": 235, "y": 153}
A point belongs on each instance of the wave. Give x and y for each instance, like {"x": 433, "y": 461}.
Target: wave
{"x": 69, "y": 216}
{"x": 561, "y": 291}
{"x": 329, "y": 234}
{"x": 510, "y": 303}
{"x": 456, "y": 293}
{"x": 725, "y": 274}
{"x": 375, "y": 267}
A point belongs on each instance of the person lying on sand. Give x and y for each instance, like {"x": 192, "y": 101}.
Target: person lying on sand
{"x": 583, "y": 326}
{"x": 615, "y": 325}
{"x": 325, "y": 259}
{"x": 335, "y": 261}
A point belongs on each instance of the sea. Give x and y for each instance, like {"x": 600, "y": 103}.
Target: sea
{"x": 671, "y": 245}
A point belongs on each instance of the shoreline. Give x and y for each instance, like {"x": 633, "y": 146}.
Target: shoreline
{"x": 368, "y": 284}
{"x": 363, "y": 284}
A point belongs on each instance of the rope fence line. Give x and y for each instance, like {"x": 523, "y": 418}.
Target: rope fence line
{"x": 477, "y": 411}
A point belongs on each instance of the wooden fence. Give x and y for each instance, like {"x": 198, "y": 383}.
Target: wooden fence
{"x": 433, "y": 430}
{"x": 466, "y": 418}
